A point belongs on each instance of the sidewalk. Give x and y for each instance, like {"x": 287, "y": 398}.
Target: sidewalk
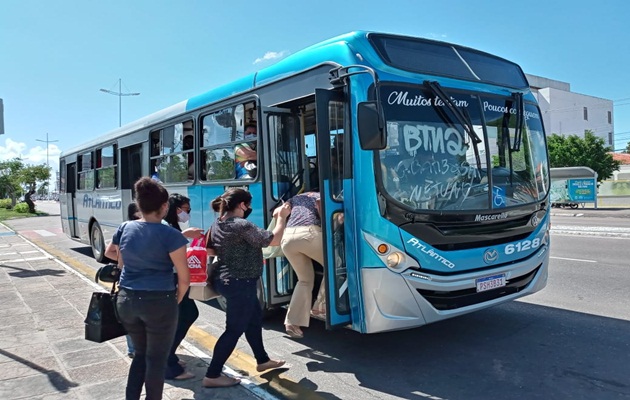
{"x": 590, "y": 211}
{"x": 43, "y": 353}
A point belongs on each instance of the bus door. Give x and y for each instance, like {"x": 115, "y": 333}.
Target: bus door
{"x": 68, "y": 199}
{"x": 283, "y": 171}
{"x": 331, "y": 128}
{"x": 132, "y": 158}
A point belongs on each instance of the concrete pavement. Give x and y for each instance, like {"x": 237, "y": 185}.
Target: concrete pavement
{"x": 601, "y": 212}
{"x": 43, "y": 353}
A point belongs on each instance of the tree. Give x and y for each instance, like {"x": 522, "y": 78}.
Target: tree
{"x": 9, "y": 184}
{"x": 574, "y": 151}
{"x": 627, "y": 150}
{"x": 15, "y": 177}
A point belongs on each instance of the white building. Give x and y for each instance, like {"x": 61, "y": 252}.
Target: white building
{"x": 567, "y": 113}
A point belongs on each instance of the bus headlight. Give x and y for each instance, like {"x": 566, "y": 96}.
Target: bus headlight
{"x": 395, "y": 259}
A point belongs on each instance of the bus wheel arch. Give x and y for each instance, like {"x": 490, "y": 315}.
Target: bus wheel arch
{"x": 97, "y": 242}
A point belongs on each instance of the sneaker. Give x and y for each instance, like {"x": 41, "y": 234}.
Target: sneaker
{"x": 130, "y": 355}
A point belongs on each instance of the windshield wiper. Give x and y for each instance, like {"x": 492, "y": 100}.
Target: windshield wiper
{"x": 462, "y": 118}
{"x": 518, "y": 131}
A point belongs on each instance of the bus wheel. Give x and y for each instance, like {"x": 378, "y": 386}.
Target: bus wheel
{"x": 97, "y": 242}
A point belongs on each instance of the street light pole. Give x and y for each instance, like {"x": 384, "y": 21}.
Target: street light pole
{"x": 47, "y": 142}
{"x": 119, "y": 93}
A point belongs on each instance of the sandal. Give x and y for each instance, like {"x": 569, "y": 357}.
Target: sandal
{"x": 221, "y": 381}
{"x": 294, "y": 331}
{"x": 318, "y": 313}
{"x": 271, "y": 364}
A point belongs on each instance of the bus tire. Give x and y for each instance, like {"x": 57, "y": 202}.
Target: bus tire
{"x": 97, "y": 242}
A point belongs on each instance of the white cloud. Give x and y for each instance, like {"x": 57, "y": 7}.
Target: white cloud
{"x": 437, "y": 36}
{"x": 35, "y": 155}
{"x": 271, "y": 55}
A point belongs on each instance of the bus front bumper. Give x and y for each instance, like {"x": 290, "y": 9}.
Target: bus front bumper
{"x": 410, "y": 299}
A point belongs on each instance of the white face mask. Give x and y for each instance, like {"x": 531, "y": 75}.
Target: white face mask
{"x": 183, "y": 216}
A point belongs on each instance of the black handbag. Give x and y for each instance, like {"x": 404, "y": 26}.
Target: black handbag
{"x": 101, "y": 323}
{"x": 109, "y": 273}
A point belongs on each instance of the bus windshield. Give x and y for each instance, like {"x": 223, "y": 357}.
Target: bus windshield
{"x": 488, "y": 154}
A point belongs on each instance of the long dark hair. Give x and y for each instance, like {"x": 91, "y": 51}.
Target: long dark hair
{"x": 230, "y": 199}
{"x": 175, "y": 201}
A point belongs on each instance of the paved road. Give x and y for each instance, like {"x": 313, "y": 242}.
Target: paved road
{"x": 570, "y": 341}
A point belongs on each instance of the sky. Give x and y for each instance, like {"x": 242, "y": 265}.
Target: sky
{"x": 55, "y": 56}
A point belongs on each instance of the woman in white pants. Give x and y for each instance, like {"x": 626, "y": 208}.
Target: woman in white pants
{"x": 301, "y": 244}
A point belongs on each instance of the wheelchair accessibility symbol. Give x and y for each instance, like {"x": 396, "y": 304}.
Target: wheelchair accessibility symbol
{"x": 498, "y": 197}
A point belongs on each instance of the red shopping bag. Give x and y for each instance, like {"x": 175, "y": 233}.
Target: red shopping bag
{"x": 197, "y": 256}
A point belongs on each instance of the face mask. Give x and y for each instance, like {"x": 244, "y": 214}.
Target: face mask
{"x": 183, "y": 216}
{"x": 247, "y": 212}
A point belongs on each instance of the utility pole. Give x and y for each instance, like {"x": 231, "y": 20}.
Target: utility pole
{"x": 1, "y": 117}
{"x": 119, "y": 93}
{"x": 47, "y": 164}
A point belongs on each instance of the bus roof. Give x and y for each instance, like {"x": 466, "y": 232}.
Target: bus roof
{"x": 347, "y": 49}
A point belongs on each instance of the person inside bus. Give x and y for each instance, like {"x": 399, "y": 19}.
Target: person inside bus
{"x": 188, "y": 144}
{"x": 245, "y": 153}
{"x": 179, "y": 212}
{"x": 147, "y": 299}
{"x": 238, "y": 245}
{"x": 302, "y": 244}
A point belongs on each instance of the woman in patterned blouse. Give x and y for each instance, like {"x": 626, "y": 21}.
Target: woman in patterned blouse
{"x": 238, "y": 245}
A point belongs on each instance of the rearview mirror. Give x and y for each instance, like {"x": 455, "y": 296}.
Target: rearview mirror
{"x": 371, "y": 137}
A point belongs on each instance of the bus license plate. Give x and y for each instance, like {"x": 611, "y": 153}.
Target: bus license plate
{"x": 490, "y": 282}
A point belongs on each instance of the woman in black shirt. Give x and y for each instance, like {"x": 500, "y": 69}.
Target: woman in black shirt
{"x": 238, "y": 245}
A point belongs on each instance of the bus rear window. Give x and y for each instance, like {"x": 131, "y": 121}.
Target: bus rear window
{"x": 444, "y": 59}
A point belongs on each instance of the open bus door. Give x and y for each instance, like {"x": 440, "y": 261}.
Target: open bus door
{"x": 284, "y": 172}
{"x": 331, "y": 126}
{"x": 67, "y": 199}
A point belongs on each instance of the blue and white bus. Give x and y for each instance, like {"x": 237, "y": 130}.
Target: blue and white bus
{"x": 430, "y": 157}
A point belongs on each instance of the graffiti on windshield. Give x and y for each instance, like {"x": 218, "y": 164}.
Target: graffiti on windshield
{"x": 427, "y": 164}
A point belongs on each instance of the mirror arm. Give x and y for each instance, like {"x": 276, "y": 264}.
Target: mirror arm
{"x": 338, "y": 77}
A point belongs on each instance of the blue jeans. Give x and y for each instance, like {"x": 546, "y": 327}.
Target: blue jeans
{"x": 150, "y": 318}
{"x": 130, "y": 348}
{"x": 243, "y": 315}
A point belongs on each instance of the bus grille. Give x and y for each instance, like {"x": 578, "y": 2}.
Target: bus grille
{"x": 462, "y": 298}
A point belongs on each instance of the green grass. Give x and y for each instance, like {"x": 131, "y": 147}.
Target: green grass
{"x": 11, "y": 214}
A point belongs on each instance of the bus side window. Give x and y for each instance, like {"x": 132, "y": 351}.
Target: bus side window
{"x": 188, "y": 147}
{"x": 336, "y": 158}
{"x": 217, "y": 149}
{"x": 170, "y": 161}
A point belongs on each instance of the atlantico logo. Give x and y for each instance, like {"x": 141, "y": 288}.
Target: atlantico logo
{"x": 490, "y": 217}
{"x": 194, "y": 262}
